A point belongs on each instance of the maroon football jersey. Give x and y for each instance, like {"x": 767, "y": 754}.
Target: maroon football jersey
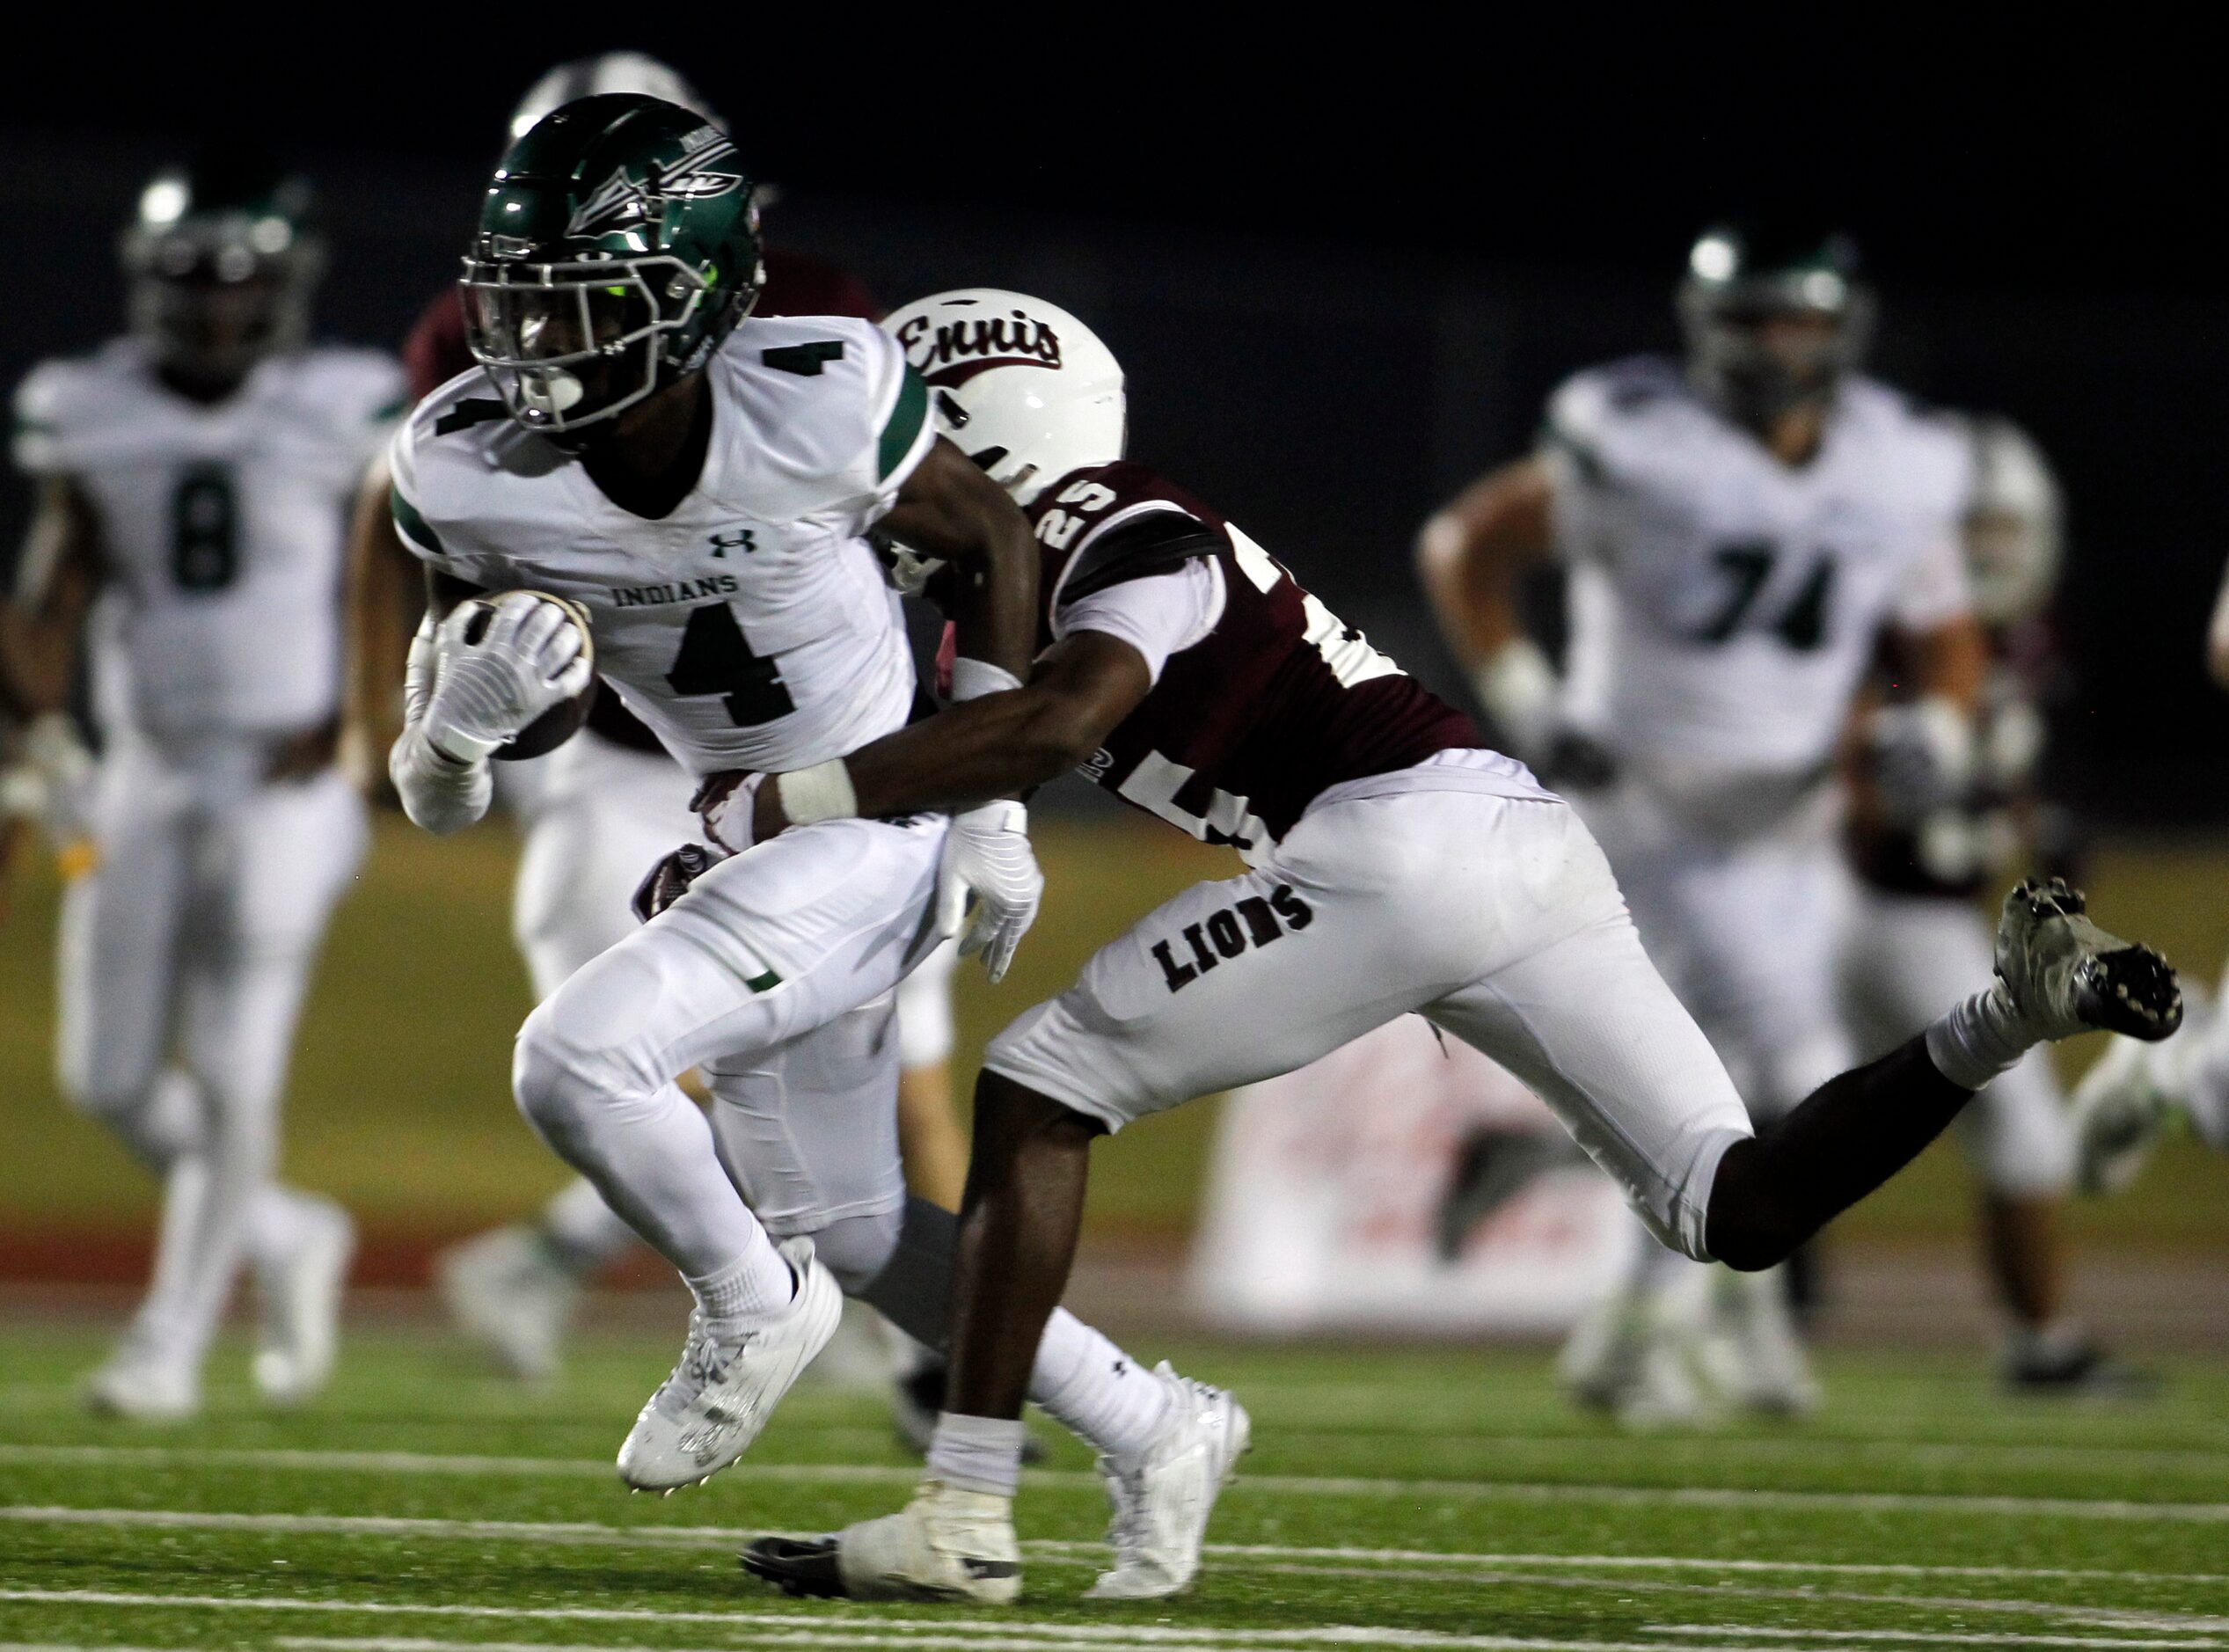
{"x": 1279, "y": 703}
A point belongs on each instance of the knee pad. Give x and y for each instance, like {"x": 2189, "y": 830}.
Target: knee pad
{"x": 858, "y": 1249}
{"x": 559, "y": 1082}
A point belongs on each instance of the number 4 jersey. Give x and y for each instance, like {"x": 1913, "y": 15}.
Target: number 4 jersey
{"x": 751, "y": 627}
{"x": 1263, "y": 700}
{"x": 1723, "y": 605}
{"x": 221, "y": 529}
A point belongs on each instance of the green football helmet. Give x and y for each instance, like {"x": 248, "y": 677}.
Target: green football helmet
{"x": 222, "y": 258}
{"x": 1775, "y": 315}
{"x": 617, "y": 245}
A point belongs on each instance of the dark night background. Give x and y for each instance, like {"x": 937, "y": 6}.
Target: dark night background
{"x": 1342, "y": 276}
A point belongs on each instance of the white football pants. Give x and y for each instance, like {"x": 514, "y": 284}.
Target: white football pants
{"x": 183, "y": 957}
{"x": 1746, "y": 921}
{"x": 604, "y": 814}
{"x": 773, "y": 977}
{"x": 1906, "y": 958}
{"x": 1495, "y": 917}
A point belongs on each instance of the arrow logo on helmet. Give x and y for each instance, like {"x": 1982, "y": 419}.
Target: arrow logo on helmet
{"x": 621, "y": 199}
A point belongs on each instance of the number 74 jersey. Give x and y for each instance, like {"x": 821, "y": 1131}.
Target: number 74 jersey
{"x": 220, "y": 529}
{"x": 751, "y": 627}
{"x": 1724, "y": 606}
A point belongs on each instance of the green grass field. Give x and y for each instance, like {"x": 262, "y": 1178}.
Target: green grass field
{"x": 400, "y": 1102}
{"x": 1398, "y": 1499}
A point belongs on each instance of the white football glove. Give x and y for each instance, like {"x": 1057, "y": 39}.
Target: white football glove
{"x": 1923, "y": 757}
{"x": 987, "y": 853}
{"x": 494, "y": 672}
{"x": 52, "y": 780}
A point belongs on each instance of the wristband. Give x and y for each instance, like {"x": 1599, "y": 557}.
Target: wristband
{"x": 822, "y": 792}
{"x": 972, "y": 679}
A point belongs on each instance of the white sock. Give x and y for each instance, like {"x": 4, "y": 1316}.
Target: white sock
{"x": 1979, "y": 1038}
{"x": 756, "y": 1285}
{"x": 1101, "y": 1393}
{"x": 978, "y": 1454}
{"x": 583, "y": 1233}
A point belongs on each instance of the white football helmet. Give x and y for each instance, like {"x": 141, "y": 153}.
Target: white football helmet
{"x": 2012, "y": 523}
{"x": 1019, "y": 385}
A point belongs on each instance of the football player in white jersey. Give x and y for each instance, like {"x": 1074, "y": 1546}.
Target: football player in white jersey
{"x": 1737, "y": 531}
{"x": 1392, "y": 866}
{"x": 701, "y": 485}
{"x": 195, "y": 476}
{"x": 1925, "y": 846}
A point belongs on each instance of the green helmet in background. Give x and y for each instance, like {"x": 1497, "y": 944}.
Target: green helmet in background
{"x": 222, "y": 257}
{"x": 618, "y": 246}
{"x": 1742, "y": 277}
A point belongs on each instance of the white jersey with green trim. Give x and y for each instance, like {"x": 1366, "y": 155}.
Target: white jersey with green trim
{"x": 751, "y": 626}
{"x": 1724, "y": 605}
{"x": 223, "y": 528}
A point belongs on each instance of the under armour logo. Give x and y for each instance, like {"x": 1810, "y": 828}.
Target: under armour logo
{"x": 723, "y": 543}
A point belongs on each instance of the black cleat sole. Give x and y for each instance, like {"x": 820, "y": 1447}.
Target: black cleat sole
{"x": 805, "y": 1570}
{"x": 2134, "y": 991}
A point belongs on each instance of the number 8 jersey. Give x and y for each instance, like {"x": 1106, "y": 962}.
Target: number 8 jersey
{"x": 751, "y": 626}
{"x": 221, "y": 529}
{"x": 1724, "y": 605}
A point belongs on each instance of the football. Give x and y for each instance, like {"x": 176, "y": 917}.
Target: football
{"x": 553, "y": 727}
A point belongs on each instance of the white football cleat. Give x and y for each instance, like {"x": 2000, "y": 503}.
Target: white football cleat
{"x": 300, "y": 1305}
{"x": 1755, "y": 1357}
{"x": 946, "y": 1545}
{"x": 1163, "y": 1501}
{"x": 143, "y": 1384}
{"x": 509, "y": 1293}
{"x": 2065, "y": 975}
{"x": 1627, "y": 1359}
{"x": 730, "y": 1378}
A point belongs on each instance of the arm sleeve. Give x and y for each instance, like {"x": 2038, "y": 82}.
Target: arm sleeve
{"x": 411, "y": 526}
{"x": 1571, "y": 451}
{"x": 1158, "y": 614}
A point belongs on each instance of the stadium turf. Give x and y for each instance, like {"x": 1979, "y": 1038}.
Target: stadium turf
{"x": 1439, "y": 1498}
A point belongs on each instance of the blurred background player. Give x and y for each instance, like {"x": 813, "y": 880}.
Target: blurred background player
{"x": 1926, "y": 845}
{"x": 194, "y": 478}
{"x": 2130, "y": 1098}
{"x": 597, "y": 814}
{"x": 1738, "y": 528}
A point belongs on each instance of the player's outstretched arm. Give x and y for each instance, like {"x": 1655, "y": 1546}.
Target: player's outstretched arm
{"x": 950, "y": 509}
{"x": 1473, "y": 556}
{"x": 997, "y": 745}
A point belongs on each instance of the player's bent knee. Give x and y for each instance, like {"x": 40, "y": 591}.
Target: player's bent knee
{"x": 1746, "y": 1227}
{"x": 559, "y": 1085}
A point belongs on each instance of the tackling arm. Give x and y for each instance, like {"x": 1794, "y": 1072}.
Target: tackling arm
{"x": 948, "y": 509}
{"x": 1473, "y": 556}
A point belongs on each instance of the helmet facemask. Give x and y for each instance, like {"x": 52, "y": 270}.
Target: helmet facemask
{"x": 571, "y": 344}
{"x": 1772, "y": 324}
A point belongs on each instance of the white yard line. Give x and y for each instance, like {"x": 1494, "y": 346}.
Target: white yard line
{"x": 830, "y": 1627}
{"x": 1286, "y": 1484}
{"x": 589, "y": 1532}
{"x": 1946, "y": 1637}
